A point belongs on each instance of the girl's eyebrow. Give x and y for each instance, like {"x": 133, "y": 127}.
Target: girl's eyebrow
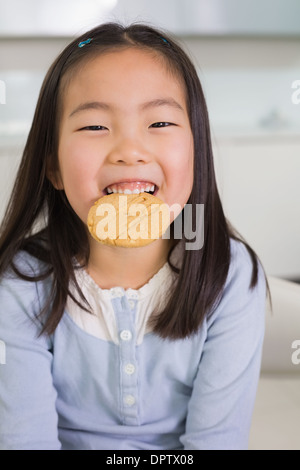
{"x": 99, "y": 105}
{"x": 90, "y": 105}
{"x": 162, "y": 102}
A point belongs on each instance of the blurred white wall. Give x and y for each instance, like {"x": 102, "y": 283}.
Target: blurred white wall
{"x": 255, "y": 125}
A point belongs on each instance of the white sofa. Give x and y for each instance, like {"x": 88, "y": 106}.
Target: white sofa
{"x": 276, "y": 418}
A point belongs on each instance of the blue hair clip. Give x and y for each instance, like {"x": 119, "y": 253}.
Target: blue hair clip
{"x": 83, "y": 43}
{"x": 167, "y": 42}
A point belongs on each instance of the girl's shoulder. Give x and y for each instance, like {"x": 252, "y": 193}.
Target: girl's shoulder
{"x": 242, "y": 301}
{"x": 246, "y": 284}
{"x": 24, "y": 265}
{"x": 23, "y": 285}
{"x": 243, "y": 263}
{"x": 21, "y": 304}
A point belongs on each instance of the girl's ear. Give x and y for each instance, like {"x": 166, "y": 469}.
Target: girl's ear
{"x": 55, "y": 179}
{"x": 54, "y": 176}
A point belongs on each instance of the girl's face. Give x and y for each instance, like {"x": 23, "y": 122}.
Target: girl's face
{"x": 124, "y": 127}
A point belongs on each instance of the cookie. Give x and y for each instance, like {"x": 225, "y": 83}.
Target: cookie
{"x": 128, "y": 220}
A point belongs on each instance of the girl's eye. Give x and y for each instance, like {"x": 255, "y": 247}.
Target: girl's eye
{"x": 161, "y": 124}
{"x": 93, "y": 128}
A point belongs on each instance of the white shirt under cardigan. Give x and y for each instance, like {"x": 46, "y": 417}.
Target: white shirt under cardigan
{"x": 105, "y": 381}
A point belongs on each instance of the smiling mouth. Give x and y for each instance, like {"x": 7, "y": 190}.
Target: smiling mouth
{"x": 134, "y": 187}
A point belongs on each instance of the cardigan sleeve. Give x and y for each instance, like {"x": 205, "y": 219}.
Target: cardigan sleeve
{"x": 28, "y": 418}
{"x": 222, "y": 401}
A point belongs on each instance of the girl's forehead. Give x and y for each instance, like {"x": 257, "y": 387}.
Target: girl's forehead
{"x": 120, "y": 71}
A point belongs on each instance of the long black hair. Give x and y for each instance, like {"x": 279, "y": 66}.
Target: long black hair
{"x": 36, "y": 203}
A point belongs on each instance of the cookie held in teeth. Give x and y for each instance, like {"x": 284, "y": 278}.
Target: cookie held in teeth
{"x": 130, "y": 220}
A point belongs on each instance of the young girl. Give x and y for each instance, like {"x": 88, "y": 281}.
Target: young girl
{"x": 155, "y": 347}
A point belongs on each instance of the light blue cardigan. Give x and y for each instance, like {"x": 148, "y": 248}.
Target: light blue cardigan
{"x": 73, "y": 391}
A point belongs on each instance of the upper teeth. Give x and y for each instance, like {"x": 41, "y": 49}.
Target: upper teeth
{"x": 129, "y": 191}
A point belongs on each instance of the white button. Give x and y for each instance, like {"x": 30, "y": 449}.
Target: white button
{"x": 129, "y": 369}
{"x": 117, "y": 292}
{"x": 125, "y": 335}
{"x": 132, "y": 294}
{"x": 131, "y": 304}
{"x": 129, "y": 400}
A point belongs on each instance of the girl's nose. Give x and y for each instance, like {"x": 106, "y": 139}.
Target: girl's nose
{"x": 129, "y": 152}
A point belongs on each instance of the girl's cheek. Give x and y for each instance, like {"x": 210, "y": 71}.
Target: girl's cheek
{"x": 78, "y": 158}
